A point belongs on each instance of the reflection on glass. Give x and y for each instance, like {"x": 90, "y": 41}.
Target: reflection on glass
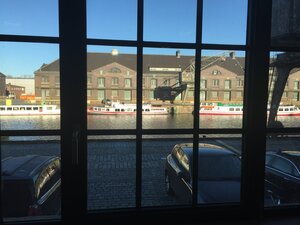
{"x": 31, "y": 178}
{"x": 111, "y": 172}
{"x": 282, "y": 176}
{"x": 29, "y": 86}
{"x": 284, "y": 89}
{"x": 161, "y": 183}
{"x": 222, "y": 89}
{"x": 224, "y": 22}
{"x": 168, "y": 88}
{"x": 219, "y": 168}
{"x": 285, "y": 23}
{"x": 120, "y": 19}
{"x": 170, "y": 21}
{"x": 111, "y": 87}
{"x": 30, "y": 17}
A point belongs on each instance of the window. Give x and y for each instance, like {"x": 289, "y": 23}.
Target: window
{"x": 240, "y": 83}
{"x": 101, "y": 95}
{"x": 127, "y": 82}
{"x": 101, "y": 82}
{"x": 227, "y": 84}
{"x": 215, "y": 83}
{"x": 114, "y": 93}
{"x": 45, "y": 79}
{"x": 216, "y": 72}
{"x": 114, "y": 81}
{"x": 153, "y": 83}
{"x": 115, "y": 70}
{"x": 127, "y": 95}
{"x": 214, "y": 95}
{"x": 296, "y": 85}
{"x": 203, "y": 84}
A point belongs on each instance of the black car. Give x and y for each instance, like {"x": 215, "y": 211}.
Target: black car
{"x": 31, "y": 185}
{"x": 219, "y": 172}
{"x": 282, "y": 175}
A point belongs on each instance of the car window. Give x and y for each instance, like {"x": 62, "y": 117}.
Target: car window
{"x": 185, "y": 162}
{"x": 284, "y": 166}
{"x": 269, "y": 159}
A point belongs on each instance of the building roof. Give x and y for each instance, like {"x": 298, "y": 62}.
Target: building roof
{"x": 97, "y": 60}
{"x": 2, "y": 75}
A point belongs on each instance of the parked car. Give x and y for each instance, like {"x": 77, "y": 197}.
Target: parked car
{"x": 219, "y": 172}
{"x": 282, "y": 175}
{"x": 31, "y": 185}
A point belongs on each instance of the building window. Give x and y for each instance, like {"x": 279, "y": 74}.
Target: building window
{"x": 216, "y": 72}
{"x": 215, "y": 83}
{"x": 240, "y": 83}
{"x": 227, "y": 84}
{"x": 115, "y": 70}
{"x": 214, "y": 95}
{"x": 101, "y": 82}
{"x": 45, "y": 79}
{"x": 296, "y": 96}
{"x": 127, "y": 95}
{"x": 114, "y": 81}
{"x": 190, "y": 94}
{"x": 296, "y": 85}
{"x": 127, "y": 82}
{"x": 114, "y": 93}
{"x": 203, "y": 84}
{"x": 227, "y": 96}
{"x": 45, "y": 93}
{"x": 89, "y": 80}
{"x": 101, "y": 94}
{"x": 57, "y": 92}
{"x": 89, "y": 93}
{"x": 153, "y": 83}
{"x": 57, "y": 81}
{"x": 151, "y": 95}
{"x": 285, "y": 94}
{"x": 203, "y": 96}
{"x": 239, "y": 94}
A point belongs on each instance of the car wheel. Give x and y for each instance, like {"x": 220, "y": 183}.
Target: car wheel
{"x": 168, "y": 187}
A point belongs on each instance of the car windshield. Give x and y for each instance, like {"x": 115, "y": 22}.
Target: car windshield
{"x": 219, "y": 167}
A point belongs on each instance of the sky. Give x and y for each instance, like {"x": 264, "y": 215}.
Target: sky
{"x": 224, "y": 22}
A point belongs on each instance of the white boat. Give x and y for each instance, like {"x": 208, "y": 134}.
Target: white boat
{"x": 18, "y": 110}
{"x": 235, "y": 110}
{"x": 119, "y": 108}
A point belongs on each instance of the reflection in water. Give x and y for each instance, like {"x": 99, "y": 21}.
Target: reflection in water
{"x": 177, "y": 121}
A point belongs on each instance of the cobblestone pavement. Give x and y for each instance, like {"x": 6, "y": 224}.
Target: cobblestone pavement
{"x": 112, "y": 168}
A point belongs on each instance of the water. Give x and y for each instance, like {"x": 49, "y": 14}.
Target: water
{"x": 178, "y": 121}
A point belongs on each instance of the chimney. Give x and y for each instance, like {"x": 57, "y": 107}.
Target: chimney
{"x": 178, "y": 54}
{"x": 232, "y": 55}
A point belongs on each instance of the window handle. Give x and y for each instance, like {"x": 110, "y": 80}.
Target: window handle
{"x": 75, "y": 146}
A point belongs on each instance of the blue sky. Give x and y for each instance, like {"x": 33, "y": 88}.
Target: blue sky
{"x": 224, "y": 22}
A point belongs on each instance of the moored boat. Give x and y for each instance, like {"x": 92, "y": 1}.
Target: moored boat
{"x": 19, "y": 110}
{"x": 117, "y": 108}
{"x": 237, "y": 109}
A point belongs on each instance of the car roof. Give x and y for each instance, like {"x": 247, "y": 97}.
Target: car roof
{"x": 24, "y": 166}
{"x": 205, "y": 149}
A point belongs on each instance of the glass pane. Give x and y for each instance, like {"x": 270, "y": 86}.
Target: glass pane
{"x": 219, "y": 168}
{"x": 222, "y": 89}
{"x": 224, "y": 22}
{"x": 170, "y": 21}
{"x": 29, "y": 86}
{"x": 282, "y": 176}
{"x": 31, "y": 176}
{"x": 160, "y": 185}
{"x": 168, "y": 88}
{"x": 111, "y": 172}
{"x": 112, "y": 19}
{"x": 284, "y": 90}
{"x": 111, "y": 84}
{"x": 30, "y": 17}
{"x": 285, "y": 23}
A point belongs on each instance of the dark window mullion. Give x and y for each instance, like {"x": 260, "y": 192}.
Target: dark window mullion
{"x": 197, "y": 99}
{"x": 139, "y": 89}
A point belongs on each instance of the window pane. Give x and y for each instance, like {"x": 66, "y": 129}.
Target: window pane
{"x": 170, "y": 21}
{"x": 160, "y": 186}
{"x": 29, "y": 86}
{"x": 112, "y": 19}
{"x": 30, "y": 17}
{"x": 169, "y": 73}
{"x": 219, "y": 168}
{"x": 31, "y": 177}
{"x": 285, "y": 23}
{"x": 284, "y": 77}
{"x": 111, "y": 172}
{"x": 224, "y": 22}
{"x": 112, "y": 87}
{"x": 282, "y": 174}
{"x": 221, "y": 89}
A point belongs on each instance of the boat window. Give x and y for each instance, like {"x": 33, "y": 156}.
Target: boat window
{"x": 237, "y": 109}
{"x": 2, "y": 108}
{"x": 117, "y": 110}
{"x": 49, "y": 108}
{"x": 122, "y": 110}
{"x": 15, "y": 108}
{"x": 28, "y": 108}
{"x": 9, "y": 108}
{"x": 147, "y": 110}
{"x": 143, "y": 110}
{"x": 280, "y": 109}
{"x": 22, "y": 108}
{"x": 291, "y": 109}
{"x": 286, "y": 109}
{"x": 231, "y": 109}
{"x": 107, "y": 109}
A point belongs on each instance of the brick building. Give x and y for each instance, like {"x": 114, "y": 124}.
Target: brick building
{"x": 15, "y": 91}
{"x": 2, "y": 84}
